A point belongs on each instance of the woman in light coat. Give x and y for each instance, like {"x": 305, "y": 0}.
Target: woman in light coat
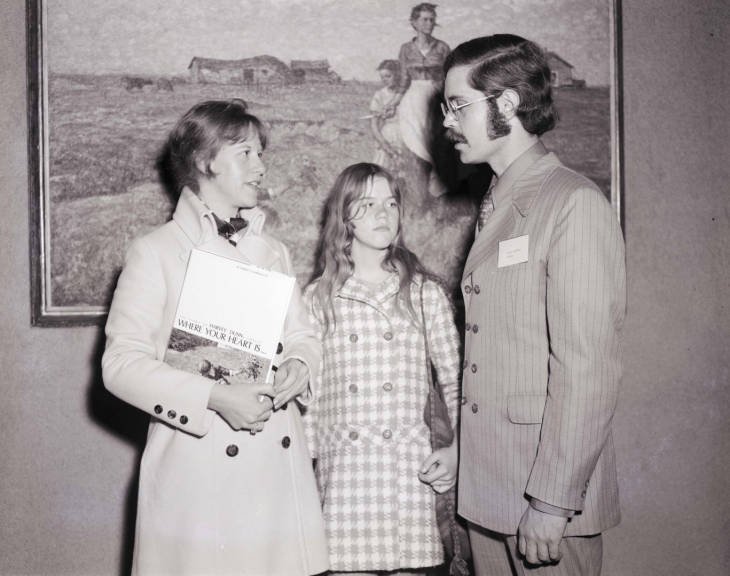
{"x": 226, "y": 484}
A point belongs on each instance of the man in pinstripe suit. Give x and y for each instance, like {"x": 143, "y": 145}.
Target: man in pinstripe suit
{"x": 544, "y": 290}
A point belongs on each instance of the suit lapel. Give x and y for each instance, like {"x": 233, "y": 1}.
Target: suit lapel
{"x": 497, "y": 227}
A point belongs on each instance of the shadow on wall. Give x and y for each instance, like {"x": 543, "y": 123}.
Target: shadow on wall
{"x": 129, "y": 424}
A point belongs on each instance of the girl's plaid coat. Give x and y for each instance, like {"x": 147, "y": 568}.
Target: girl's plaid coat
{"x": 367, "y": 428}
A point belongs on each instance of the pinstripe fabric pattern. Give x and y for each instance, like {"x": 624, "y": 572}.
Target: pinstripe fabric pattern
{"x": 367, "y": 426}
{"x": 543, "y": 368}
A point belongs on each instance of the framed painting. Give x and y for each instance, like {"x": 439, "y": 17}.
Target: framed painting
{"x": 107, "y": 81}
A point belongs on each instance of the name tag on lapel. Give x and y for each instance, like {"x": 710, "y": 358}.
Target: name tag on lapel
{"x": 513, "y": 251}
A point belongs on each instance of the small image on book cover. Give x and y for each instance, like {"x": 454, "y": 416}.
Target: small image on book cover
{"x": 229, "y": 319}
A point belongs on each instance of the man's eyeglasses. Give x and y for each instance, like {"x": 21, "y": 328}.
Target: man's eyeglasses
{"x": 449, "y": 107}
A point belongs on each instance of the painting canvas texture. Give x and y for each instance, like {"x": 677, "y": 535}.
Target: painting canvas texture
{"x": 119, "y": 74}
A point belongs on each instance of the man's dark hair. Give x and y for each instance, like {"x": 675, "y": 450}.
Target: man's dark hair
{"x": 506, "y": 61}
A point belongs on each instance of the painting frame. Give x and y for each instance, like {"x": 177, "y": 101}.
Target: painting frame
{"x": 44, "y": 313}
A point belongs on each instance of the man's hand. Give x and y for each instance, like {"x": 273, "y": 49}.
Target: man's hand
{"x": 291, "y": 380}
{"x": 539, "y": 536}
{"x": 440, "y": 468}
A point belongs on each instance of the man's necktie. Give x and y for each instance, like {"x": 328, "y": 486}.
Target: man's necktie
{"x": 230, "y": 229}
{"x": 485, "y": 209}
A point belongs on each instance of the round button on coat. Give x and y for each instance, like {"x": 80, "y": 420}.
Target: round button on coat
{"x": 158, "y": 409}
{"x": 171, "y": 414}
{"x": 353, "y": 337}
{"x": 232, "y": 450}
{"x": 387, "y": 434}
{"x": 477, "y": 289}
{"x": 475, "y": 407}
{"x": 475, "y": 328}
{"x": 353, "y": 435}
{"x": 353, "y": 388}
{"x": 286, "y": 441}
{"x": 388, "y": 336}
{"x": 467, "y": 289}
{"x": 183, "y": 419}
{"x": 387, "y": 386}
{"x": 467, "y": 327}
{"x": 474, "y": 368}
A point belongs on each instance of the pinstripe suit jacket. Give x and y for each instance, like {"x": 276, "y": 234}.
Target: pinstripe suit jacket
{"x": 542, "y": 355}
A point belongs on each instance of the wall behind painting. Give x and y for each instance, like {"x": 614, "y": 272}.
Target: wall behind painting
{"x": 69, "y": 451}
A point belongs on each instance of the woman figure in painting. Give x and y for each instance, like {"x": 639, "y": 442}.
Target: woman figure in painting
{"x": 421, "y": 61}
{"x": 385, "y": 126}
{"x": 374, "y": 302}
{"x": 226, "y": 485}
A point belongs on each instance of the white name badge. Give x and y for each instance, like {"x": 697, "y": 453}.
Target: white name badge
{"x": 513, "y": 251}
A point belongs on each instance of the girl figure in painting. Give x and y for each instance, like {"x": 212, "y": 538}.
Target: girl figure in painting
{"x": 385, "y": 126}
{"x": 226, "y": 485}
{"x": 370, "y": 296}
{"x": 421, "y": 60}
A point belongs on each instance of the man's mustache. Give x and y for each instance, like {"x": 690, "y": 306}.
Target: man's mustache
{"x": 454, "y": 137}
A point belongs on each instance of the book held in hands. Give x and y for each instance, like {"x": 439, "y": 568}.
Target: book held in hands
{"x": 229, "y": 318}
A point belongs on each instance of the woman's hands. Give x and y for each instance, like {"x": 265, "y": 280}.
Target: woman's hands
{"x": 291, "y": 380}
{"x": 244, "y": 405}
{"x": 440, "y": 469}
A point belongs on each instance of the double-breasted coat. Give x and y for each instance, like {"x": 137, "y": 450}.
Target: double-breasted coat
{"x": 367, "y": 424}
{"x": 542, "y": 351}
{"x": 211, "y": 500}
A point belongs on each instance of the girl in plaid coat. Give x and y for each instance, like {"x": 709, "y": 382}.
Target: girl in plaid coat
{"x": 376, "y": 472}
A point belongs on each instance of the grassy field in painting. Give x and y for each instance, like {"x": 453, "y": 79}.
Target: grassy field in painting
{"x": 105, "y": 189}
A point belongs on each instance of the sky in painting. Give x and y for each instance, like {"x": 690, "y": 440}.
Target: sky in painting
{"x": 162, "y": 36}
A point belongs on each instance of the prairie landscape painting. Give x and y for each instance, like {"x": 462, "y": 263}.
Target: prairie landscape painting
{"x": 109, "y": 79}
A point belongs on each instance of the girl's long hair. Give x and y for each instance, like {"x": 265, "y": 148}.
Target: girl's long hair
{"x": 333, "y": 263}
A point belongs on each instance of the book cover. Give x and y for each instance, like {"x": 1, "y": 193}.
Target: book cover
{"x": 229, "y": 318}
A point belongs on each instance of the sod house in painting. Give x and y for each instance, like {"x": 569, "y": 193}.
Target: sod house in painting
{"x": 561, "y": 72}
{"x": 256, "y": 70}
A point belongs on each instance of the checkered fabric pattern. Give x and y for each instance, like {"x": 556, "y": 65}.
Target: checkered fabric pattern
{"x": 367, "y": 426}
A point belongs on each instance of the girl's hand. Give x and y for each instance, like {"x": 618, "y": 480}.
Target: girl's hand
{"x": 291, "y": 380}
{"x": 440, "y": 469}
{"x": 243, "y": 405}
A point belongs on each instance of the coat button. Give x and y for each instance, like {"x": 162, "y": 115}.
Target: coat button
{"x": 353, "y": 435}
{"x": 286, "y": 441}
{"x": 475, "y": 408}
{"x": 463, "y": 400}
{"x": 232, "y": 450}
{"x": 171, "y": 414}
{"x": 466, "y": 363}
{"x": 353, "y": 337}
{"x": 279, "y": 348}
{"x": 467, "y": 289}
{"x": 477, "y": 289}
{"x": 353, "y": 388}
{"x": 183, "y": 419}
{"x": 474, "y": 368}
{"x": 583, "y": 494}
{"x": 387, "y": 434}
{"x": 467, "y": 327}
{"x": 388, "y": 336}
{"x": 475, "y": 328}
{"x": 387, "y": 386}
{"x": 158, "y": 409}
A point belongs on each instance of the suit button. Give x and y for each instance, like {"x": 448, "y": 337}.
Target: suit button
{"x": 279, "y": 348}
{"x": 467, "y": 289}
{"x": 387, "y": 434}
{"x": 387, "y": 386}
{"x": 475, "y": 328}
{"x": 232, "y": 450}
{"x": 475, "y": 408}
{"x": 353, "y": 388}
{"x": 158, "y": 409}
{"x": 467, "y": 327}
{"x": 353, "y": 435}
{"x": 474, "y": 368}
{"x": 466, "y": 363}
{"x": 353, "y": 338}
{"x": 477, "y": 289}
{"x": 171, "y": 414}
{"x": 183, "y": 419}
{"x": 463, "y": 400}
{"x": 388, "y": 336}
{"x": 583, "y": 494}
{"x": 286, "y": 441}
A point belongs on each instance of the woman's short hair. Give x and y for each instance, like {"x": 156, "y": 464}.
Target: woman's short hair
{"x": 422, "y": 7}
{"x": 202, "y": 132}
{"x": 505, "y": 61}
